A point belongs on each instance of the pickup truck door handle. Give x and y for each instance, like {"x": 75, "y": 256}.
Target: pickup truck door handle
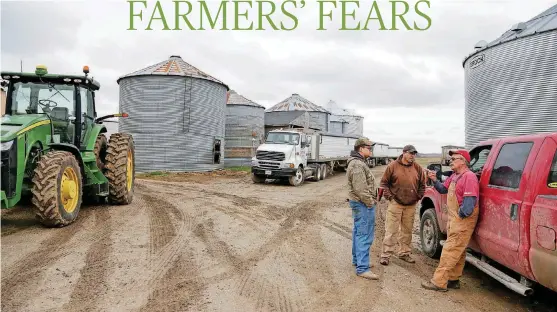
{"x": 514, "y": 211}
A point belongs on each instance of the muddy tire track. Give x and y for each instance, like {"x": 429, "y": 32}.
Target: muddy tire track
{"x": 173, "y": 274}
{"x": 161, "y": 227}
{"x": 178, "y": 289}
{"x": 18, "y": 281}
{"x": 92, "y": 281}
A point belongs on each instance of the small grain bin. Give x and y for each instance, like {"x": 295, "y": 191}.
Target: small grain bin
{"x": 353, "y": 124}
{"x": 318, "y": 116}
{"x": 176, "y": 116}
{"x": 511, "y": 82}
{"x": 244, "y": 131}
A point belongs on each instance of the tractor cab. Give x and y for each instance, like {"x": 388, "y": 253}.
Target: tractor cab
{"x": 68, "y": 101}
{"x": 54, "y": 149}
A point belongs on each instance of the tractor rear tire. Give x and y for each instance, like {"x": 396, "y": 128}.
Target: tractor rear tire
{"x": 54, "y": 204}
{"x": 120, "y": 168}
{"x": 101, "y": 145}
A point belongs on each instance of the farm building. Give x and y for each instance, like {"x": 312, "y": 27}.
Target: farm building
{"x": 297, "y": 111}
{"x": 176, "y": 116}
{"x": 511, "y": 82}
{"x": 352, "y": 123}
{"x": 244, "y": 131}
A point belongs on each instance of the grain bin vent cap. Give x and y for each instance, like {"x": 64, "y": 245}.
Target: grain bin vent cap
{"x": 543, "y": 22}
{"x": 174, "y": 66}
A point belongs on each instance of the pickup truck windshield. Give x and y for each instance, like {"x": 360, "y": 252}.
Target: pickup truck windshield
{"x": 282, "y": 138}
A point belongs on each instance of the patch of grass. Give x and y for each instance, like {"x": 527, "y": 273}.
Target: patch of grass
{"x": 152, "y": 174}
{"x": 426, "y": 160}
{"x": 239, "y": 168}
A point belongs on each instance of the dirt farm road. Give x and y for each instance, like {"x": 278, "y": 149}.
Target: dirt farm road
{"x": 222, "y": 243}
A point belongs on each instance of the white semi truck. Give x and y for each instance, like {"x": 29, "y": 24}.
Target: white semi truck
{"x": 298, "y": 155}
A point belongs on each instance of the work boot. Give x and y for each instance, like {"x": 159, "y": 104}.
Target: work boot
{"x": 453, "y": 284}
{"x": 407, "y": 258}
{"x": 369, "y": 275}
{"x": 429, "y": 285}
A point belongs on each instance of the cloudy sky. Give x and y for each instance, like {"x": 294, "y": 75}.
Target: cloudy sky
{"x": 409, "y": 85}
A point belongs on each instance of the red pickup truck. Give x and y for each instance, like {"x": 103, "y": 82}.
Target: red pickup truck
{"x": 517, "y": 223}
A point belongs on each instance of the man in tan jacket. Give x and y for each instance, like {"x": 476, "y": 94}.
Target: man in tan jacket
{"x": 404, "y": 185}
{"x": 362, "y": 197}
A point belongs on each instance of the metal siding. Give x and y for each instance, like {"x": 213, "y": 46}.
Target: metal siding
{"x": 355, "y": 125}
{"x": 161, "y": 109}
{"x": 335, "y": 127}
{"x": 334, "y": 147}
{"x": 241, "y": 122}
{"x": 394, "y": 151}
{"x": 318, "y": 120}
{"x": 380, "y": 150}
{"x": 514, "y": 91}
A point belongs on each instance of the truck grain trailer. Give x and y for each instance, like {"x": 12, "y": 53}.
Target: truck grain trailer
{"x": 380, "y": 155}
{"x": 299, "y": 155}
{"x": 445, "y": 158}
{"x": 394, "y": 152}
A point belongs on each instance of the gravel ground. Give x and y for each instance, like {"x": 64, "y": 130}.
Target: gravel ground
{"x": 213, "y": 242}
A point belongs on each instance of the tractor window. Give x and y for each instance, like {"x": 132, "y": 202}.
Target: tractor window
{"x": 32, "y": 98}
{"x": 86, "y": 102}
{"x": 509, "y": 166}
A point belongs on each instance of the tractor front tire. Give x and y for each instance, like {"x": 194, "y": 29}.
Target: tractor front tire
{"x": 57, "y": 189}
{"x": 120, "y": 168}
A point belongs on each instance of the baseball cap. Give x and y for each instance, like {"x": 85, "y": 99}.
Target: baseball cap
{"x": 363, "y": 141}
{"x": 462, "y": 152}
{"x": 409, "y": 148}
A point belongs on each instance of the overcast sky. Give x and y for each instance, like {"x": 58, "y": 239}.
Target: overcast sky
{"x": 408, "y": 85}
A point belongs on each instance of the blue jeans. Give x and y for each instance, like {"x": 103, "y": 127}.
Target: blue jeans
{"x": 362, "y": 234}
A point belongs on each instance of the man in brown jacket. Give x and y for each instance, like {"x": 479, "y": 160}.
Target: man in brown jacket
{"x": 404, "y": 185}
{"x": 362, "y": 195}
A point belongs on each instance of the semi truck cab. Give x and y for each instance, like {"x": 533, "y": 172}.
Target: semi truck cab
{"x": 284, "y": 154}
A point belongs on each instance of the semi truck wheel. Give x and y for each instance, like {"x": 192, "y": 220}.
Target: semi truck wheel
{"x": 323, "y": 171}
{"x": 120, "y": 168}
{"x": 430, "y": 234}
{"x": 298, "y": 179}
{"x": 57, "y": 189}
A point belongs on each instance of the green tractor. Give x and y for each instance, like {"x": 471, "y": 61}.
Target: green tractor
{"x": 54, "y": 150}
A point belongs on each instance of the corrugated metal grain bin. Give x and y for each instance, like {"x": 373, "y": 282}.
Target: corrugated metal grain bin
{"x": 245, "y": 129}
{"x": 318, "y": 116}
{"x": 176, "y": 116}
{"x": 337, "y": 125}
{"x": 511, "y": 82}
{"x": 353, "y": 123}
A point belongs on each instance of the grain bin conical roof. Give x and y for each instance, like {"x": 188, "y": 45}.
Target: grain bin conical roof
{"x": 174, "y": 66}
{"x": 295, "y": 102}
{"x": 237, "y": 99}
{"x": 543, "y": 22}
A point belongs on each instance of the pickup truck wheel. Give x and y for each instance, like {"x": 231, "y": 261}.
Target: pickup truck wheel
{"x": 430, "y": 234}
{"x": 298, "y": 179}
{"x": 257, "y": 178}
